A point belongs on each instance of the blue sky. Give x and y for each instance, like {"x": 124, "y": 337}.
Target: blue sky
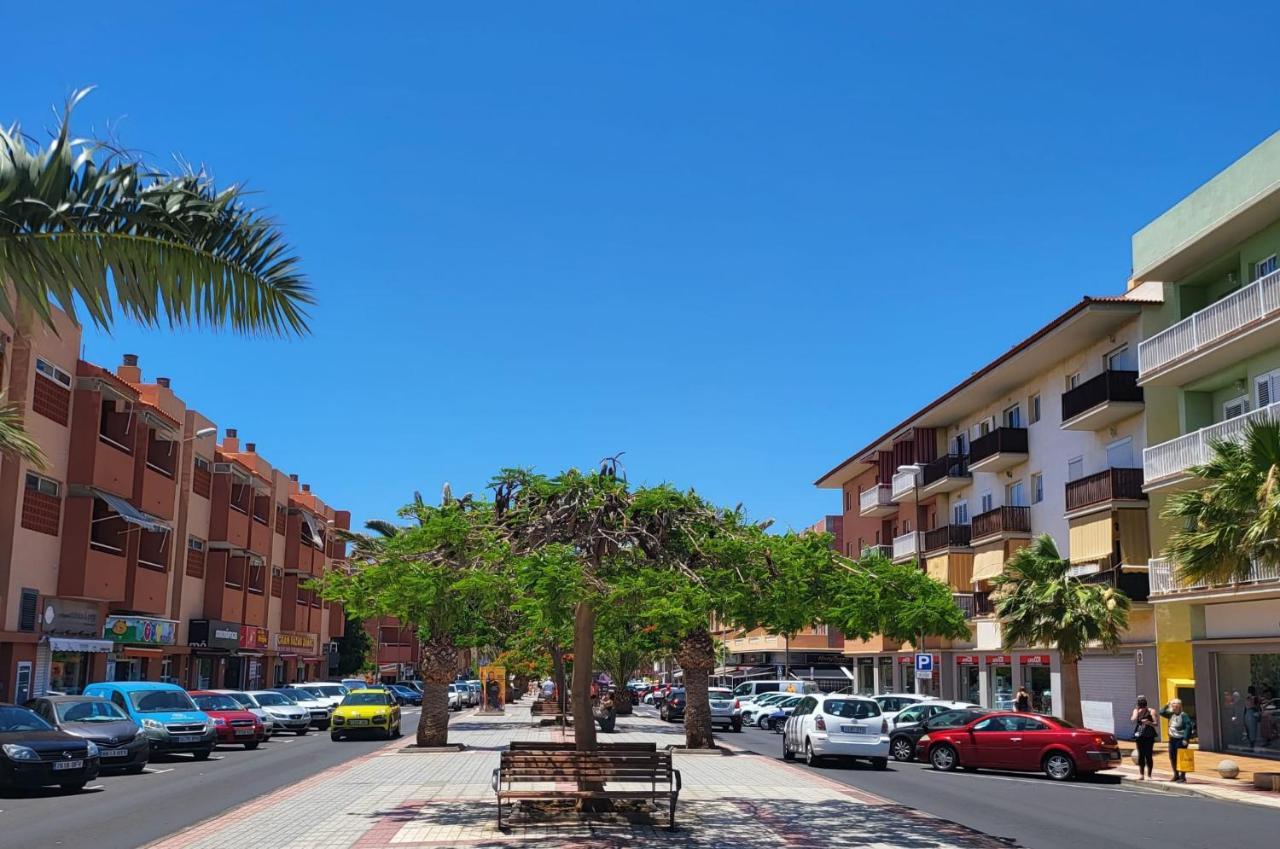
{"x": 734, "y": 240}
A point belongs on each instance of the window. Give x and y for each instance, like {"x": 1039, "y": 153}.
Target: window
{"x": 960, "y": 513}
{"x": 1264, "y": 267}
{"x": 962, "y": 444}
{"x": 1073, "y": 380}
{"x": 1037, "y": 488}
{"x": 152, "y": 552}
{"x": 1016, "y": 494}
{"x": 257, "y": 572}
{"x": 162, "y": 455}
{"x": 57, "y": 375}
{"x": 1123, "y": 358}
{"x": 42, "y": 485}
{"x": 114, "y": 428}
{"x": 28, "y": 609}
{"x": 195, "y": 557}
{"x": 1075, "y": 469}
{"x": 987, "y": 502}
{"x": 1013, "y": 416}
{"x": 1033, "y": 407}
{"x": 106, "y": 530}
{"x": 1268, "y": 388}
{"x": 1235, "y": 407}
{"x": 240, "y": 497}
{"x": 195, "y": 544}
{"x": 1120, "y": 454}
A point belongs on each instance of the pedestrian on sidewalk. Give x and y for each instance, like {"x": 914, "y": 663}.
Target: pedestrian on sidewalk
{"x": 1022, "y": 701}
{"x": 1145, "y": 734}
{"x": 1180, "y": 731}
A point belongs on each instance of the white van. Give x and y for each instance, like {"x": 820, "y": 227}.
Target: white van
{"x": 748, "y": 689}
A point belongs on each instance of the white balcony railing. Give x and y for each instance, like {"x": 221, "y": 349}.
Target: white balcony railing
{"x": 880, "y": 550}
{"x": 904, "y": 483}
{"x": 1260, "y": 299}
{"x": 1173, "y": 458}
{"x": 905, "y": 545}
{"x": 1164, "y": 581}
{"x": 876, "y": 496}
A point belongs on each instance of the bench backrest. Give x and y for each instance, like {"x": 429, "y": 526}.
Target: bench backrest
{"x": 558, "y": 746}
{"x": 528, "y": 767}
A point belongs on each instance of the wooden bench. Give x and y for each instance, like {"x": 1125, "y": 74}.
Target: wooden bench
{"x": 546, "y": 709}
{"x": 558, "y": 746}
{"x": 519, "y": 769}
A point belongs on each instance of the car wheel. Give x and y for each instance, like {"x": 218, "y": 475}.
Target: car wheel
{"x": 73, "y": 786}
{"x": 1059, "y": 766}
{"x": 301, "y": 732}
{"x": 761, "y": 720}
{"x": 335, "y": 737}
{"x": 943, "y": 758}
{"x": 203, "y": 754}
{"x": 787, "y": 754}
{"x": 902, "y": 749}
{"x": 809, "y": 757}
{"x": 251, "y": 746}
{"x": 879, "y": 763}
{"x": 737, "y": 724}
{"x": 136, "y": 769}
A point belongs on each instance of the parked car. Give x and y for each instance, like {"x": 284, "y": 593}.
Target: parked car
{"x": 774, "y": 713}
{"x": 354, "y": 683}
{"x": 916, "y": 721}
{"x": 672, "y": 707}
{"x": 366, "y": 710}
{"x": 750, "y": 708}
{"x": 326, "y": 691}
{"x": 457, "y": 693}
{"x": 165, "y": 712}
{"x": 286, "y": 714}
{"x": 836, "y": 726}
{"x": 748, "y": 689}
{"x": 726, "y": 711}
{"x": 319, "y": 708}
{"x": 405, "y": 695}
{"x": 233, "y": 724}
{"x": 891, "y": 703}
{"x": 121, "y": 743}
{"x": 35, "y": 754}
{"x": 476, "y": 687}
{"x": 412, "y": 685}
{"x": 246, "y": 702}
{"x": 1021, "y": 742}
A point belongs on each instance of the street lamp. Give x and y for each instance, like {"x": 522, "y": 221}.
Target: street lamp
{"x": 201, "y": 433}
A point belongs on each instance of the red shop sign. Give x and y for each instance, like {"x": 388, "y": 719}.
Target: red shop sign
{"x": 1035, "y": 660}
{"x": 967, "y": 659}
{"x": 999, "y": 660}
{"x": 908, "y": 659}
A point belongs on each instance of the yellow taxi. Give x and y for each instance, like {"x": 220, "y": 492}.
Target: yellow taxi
{"x": 366, "y": 710}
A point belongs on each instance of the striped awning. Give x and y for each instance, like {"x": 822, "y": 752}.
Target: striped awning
{"x": 988, "y": 564}
{"x": 1089, "y": 538}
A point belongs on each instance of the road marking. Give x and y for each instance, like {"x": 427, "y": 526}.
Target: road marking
{"x": 153, "y": 771}
{"x": 1044, "y": 783}
{"x": 94, "y": 787}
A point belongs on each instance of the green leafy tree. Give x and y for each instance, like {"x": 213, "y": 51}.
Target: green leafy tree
{"x": 353, "y": 648}
{"x": 1039, "y": 603}
{"x": 1233, "y": 520}
{"x": 897, "y": 600}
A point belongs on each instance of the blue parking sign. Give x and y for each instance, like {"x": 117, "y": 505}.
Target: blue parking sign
{"x": 924, "y": 666}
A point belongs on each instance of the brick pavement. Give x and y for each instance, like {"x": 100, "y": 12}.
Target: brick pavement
{"x": 392, "y": 799}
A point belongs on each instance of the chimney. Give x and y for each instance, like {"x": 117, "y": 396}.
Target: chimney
{"x": 306, "y": 487}
{"x": 293, "y": 484}
{"x": 163, "y": 381}
{"x": 231, "y": 442}
{"x": 128, "y": 370}
{"x": 293, "y": 478}
{"x": 251, "y": 447}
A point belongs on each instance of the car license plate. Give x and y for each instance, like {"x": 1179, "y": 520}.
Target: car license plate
{"x": 358, "y": 722}
{"x": 243, "y": 732}
{"x": 68, "y": 765}
{"x": 113, "y": 753}
{"x": 189, "y": 739}
{"x": 852, "y": 729}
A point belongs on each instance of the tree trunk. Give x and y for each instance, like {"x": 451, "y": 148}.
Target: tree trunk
{"x": 786, "y": 656}
{"x": 438, "y": 666}
{"x": 1070, "y": 707}
{"x": 557, "y": 677}
{"x": 584, "y": 644}
{"x": 697, "y": 656}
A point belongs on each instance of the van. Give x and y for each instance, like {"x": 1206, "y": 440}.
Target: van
{"x": 748, "y": 689}
{"x": 166, "y": 713}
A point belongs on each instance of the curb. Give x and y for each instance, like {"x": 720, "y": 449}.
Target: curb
{"x": 1204, "y": 791}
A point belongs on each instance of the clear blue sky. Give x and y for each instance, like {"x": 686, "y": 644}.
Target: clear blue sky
{"x": 734, "y": 240}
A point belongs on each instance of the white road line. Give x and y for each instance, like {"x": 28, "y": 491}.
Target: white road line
{"x": 151, "y": 771}
{"x": 94, "y": 787}
{"x": 1064, "y": 784}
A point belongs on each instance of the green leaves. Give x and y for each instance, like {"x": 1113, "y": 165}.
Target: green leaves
{"x": 898, "y": 600}
{"x": 16, "y": 443}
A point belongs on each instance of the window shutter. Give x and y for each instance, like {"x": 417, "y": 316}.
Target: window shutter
{"x": 1264, "y": 391}
{"x": 1234, "y": 408}
{"x": 27, "y": 611}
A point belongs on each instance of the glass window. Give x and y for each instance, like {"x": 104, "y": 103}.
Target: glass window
{"x": 216, "y": 702}
{"x": 156, "y": 701}
{"x": 365, "y": 699}
{"x": 1038, "y": 684}
{"x": 90, "y": 710}
{"x": 1037, "y": 488}
{"x": 1249, "y": 703}
{"x": 960, "y": 513}
{"x": 20, "y": 719}
{"x": 1016, "y": 494}
{"x": 1033, "y": 407}
{"x": 1264, "y": 267}
{"x": 988, "y": 502}
{"x": 1013, "y": 416}
{"x": 991, "y": 723}
{"x": 851, "y": 708}
{"x": 1075, "y": 468}
{"x": 913, "y": 714}
{"x": 52, "y": 372}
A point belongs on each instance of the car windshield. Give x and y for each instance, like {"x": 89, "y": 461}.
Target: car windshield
{"x": 1062, "y": 723}
{"x": 363, "y": 699}
{"x": 21, "y": 719}
{"x": 273, "y": 699}
{"x": 242, "y": 699}
{"x": 330, "y": 690}
{"x": 90, "y": 710}
{"x": 313, "y": 691}
{"x": 159, "y": 701}
{"x": 953, "y": 719}
{"x": 296, "y": 694}
{"x": 851, "y": 708}
{"x": 720, "y": 693}
{"x": 791, "y": 701}
{"x": 216, "y": 702}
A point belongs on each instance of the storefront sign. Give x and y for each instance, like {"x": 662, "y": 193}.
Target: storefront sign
{"x": 866, "y": 661}
{"x": 71, "y": 618}
{"x": 291, "y": 641}
{"x": 213, "y": 634}
{"x": 1034, "y": 660}
{"x": 908, "y": 659}
{"x": 998, "y": 660}
{"x": 141, "y": 630}
{"x": 967, "y": 659}
{"x": 253, "y": 637}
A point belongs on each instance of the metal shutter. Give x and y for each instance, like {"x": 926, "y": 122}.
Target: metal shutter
{"x": 40, "y": 677}
{"x": 28, "y": 609}
{"x": 1113, "y": 680}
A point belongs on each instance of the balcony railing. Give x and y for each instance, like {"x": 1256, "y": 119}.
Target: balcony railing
{"x": 1108, "y": 386}
{"x": 974, "y": 605}
{"x": 1012, "y": 440}
{"x": 879, "y": 495}
{"x": 1172, "y": 458}
{"x": 905, "y": 545}
{"x": 947, "y": 536}
{"x": 879, "y": 549}
{"x": 947, "y": 466}
{"x": 1106, "y": 485}
{"x": 1002, "y": 520}
{"x": 1135, "y": 585}
{"x": 904, "y": 483}
{"x": 1164, "y": 581}
{"x": 1259, "y": 300}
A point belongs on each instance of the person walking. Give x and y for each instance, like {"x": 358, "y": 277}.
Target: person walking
{"x": 1145, "y": 734}
{"x": 1022, "y": 701}
{"x": 1181, "y": 727}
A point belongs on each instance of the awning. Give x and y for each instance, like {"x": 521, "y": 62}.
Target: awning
{"x": 132, "y": 514}
{"x": 1135, "y": 538}
{"x": 79, "y": 645}
{"x": 135, "y": 651}
{"x": 309, "y": 522}
{"x": 1090, "y": 538}
{"x": 159, "y": 422}
{"x": 988, "y": 564}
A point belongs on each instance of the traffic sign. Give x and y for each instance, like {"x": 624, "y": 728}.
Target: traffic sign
{"x": 924, "y": 666}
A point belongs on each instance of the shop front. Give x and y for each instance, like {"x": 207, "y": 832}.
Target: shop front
{"x": 255, "y": 643}
{"x": 71, "y": 653}
{"x": 213, "y": 644}
{"x": 139, "y": 646}
{"x": 299, "y": 654}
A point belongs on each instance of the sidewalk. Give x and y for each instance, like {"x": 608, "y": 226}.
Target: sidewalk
{"x": 392, "y": 799}
{"x": 1205, "y": 781}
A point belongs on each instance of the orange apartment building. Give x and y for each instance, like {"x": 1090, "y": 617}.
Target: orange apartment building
{"x": 146, "y": 549}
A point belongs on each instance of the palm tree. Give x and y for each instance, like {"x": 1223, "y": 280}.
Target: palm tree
{"x": 1234, "y": 519}
{"x": 1040, "y": 603}
{"x": 88, "y": 227}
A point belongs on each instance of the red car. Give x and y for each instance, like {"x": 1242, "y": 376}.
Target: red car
{"x": 233, "y": 724}
{"x": 1019, "y": 741}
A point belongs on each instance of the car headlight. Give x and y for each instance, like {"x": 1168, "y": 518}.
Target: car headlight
{"x": 338, "y": 719}
{"x": 20, "y": 753}
{"x": 93, "y": 750}
{"x": 378, "y": 717}
{"x": 153, "y": 724}
{"x": 139, "y": 734}
{"x": 219, "y": 721}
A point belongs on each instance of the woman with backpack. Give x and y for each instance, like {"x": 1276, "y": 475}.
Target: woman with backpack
{"x": 1145, "y": 733}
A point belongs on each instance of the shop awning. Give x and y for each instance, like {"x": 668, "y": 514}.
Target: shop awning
{"x": 132, "y": 514}
{"x": 76, "y": 644}
{"x": 1089, "y": 538}
{"x": 988, "y": 564}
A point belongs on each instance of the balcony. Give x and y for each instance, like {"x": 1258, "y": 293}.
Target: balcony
{"x": 1170, "y": 461}
{"x": 974, "y": 605}
{"x": 905, "y": 547}
{"x": 905, "y": 484}
{"x": 1104, "y": 488}
{"x": 1102, "y": 401}
{"x": 877, "y": 501}
{"x": 1002, "y": 522}
{"x": 945, "y": 474}
{"x": 878, "y": 550}
{"x": 1002, "y": 448}
{"x": 1134, "y": 584}
{"x": 1223, "y": 333}
{"x": 947, "y": 536}
{"x": 1164, "y": 580}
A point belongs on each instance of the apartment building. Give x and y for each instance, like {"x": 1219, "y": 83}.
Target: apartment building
{"x": 145, "y": 549}
{"x": 1044, "y": 439}
{"x": 1209, "y": 364}
{"x": 395, "y": 646}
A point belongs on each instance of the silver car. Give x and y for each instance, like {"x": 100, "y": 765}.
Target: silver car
{"x": 725, "y": 710}
{"x": 286, "y": 714}
{"x": 246, "y": 701}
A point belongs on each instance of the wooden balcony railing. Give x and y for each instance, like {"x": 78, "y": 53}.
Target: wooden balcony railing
{"x": 1012, "y": 440}
{"x": 947, "y": 536}
{"x": 974, "y": 604}
{"x": 947, "y": 466}
{"x": 1002, "y": 520}
{"x": 1105, "y": 486}
{"x": 1108, "y": 386}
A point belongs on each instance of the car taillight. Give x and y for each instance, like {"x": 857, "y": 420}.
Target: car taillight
{"x": 820, "y": 723}
{"x": 884, "y": 726}
{"x": 737, "y": 705}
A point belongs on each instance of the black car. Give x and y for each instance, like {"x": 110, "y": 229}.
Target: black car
{"x": 672, "y": 709}
{"x": 912, "y": 724}
{"x": 35, "y": 754}
{"x": 121, "y": 743}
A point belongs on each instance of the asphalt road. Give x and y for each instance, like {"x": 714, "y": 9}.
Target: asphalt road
{"x": 128, "y": 811}
{"x": 1034, "y": 812}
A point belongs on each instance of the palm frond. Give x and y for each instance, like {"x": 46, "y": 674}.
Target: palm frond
{"x": 15, "y": 442}
{"x": 83, "y": 223}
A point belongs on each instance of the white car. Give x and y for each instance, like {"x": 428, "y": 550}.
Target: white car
{"x": 786, "y": 705}
{"x": 891, "y": 703}
{"x": 247, "y": 702}
{"x": 837, "y": 726}
{"x": 321, "y": 712}
{"x": 458, "y": 696}
{"x": 751, "y": 707}
{"x": 725, "y": 709}
{"x": 287, "y": 714}
{"x": 326, "y": 691}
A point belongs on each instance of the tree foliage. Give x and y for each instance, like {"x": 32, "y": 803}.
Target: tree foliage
{"x": 897, "y": 600}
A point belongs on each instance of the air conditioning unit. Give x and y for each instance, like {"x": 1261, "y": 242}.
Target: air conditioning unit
{"x": 222, "y": 468}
